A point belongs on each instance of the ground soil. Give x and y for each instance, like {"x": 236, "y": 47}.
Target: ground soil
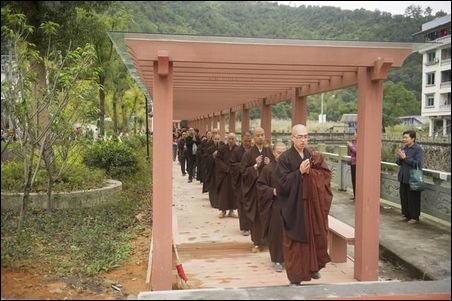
{"x": 34, "y": 282}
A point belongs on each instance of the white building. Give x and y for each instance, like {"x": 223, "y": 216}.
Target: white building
{"x": 436, "y": 75}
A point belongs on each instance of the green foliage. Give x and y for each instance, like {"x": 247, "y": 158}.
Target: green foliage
{"x": 83, "y": 241}
{"x": 398, "y": 101}
{"x": 89, "y": 239}
{"x": 116, "y": 158}
{"x": 76, "y": 177}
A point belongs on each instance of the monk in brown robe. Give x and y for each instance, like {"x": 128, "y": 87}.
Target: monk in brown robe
{"x": 270, "y": 211}
{"x": 304, "y": 193}
{"x": 212, "y": 151}
{"x": 224, "y": 179}
{"x": 251, "y": 166}
{"x": 236, "y": 158}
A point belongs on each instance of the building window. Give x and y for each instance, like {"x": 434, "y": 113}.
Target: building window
{"x": 431, "y": 56}
{"x": 429, "y": 100}
{"x": 430, "y": 79}
{"x": 445, "y": 76}
{"x": 445, "y": 54}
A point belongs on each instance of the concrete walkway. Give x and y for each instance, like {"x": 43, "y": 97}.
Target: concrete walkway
{"x": 215, "y": 255}
{"x": 423, "y": 248}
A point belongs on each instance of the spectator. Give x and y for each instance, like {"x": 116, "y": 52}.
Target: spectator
{"x": 410, "y": 156}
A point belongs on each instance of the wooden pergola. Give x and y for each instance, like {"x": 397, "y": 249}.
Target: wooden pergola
{"x": 201, "y": 79}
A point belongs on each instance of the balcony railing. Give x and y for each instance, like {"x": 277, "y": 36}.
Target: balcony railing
{"x": 445, "y": 85}
{"x": 445, "y": 61}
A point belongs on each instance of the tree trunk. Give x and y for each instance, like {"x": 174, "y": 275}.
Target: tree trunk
{"x": 101, "y": 105}
{"x": 125, "y": 127}
{"x": 25, "y": 200}
{"x": 115, "y": 116}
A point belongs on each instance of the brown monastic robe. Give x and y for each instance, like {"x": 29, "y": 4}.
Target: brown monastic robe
{"x": 236, "y": 179}
{"x": 223, "y": 178}
{"x": 210, "y": 175}
{"x": 249, "y": 191}
{"x": 270, "y": 212}
{"x": 305, "y": 202}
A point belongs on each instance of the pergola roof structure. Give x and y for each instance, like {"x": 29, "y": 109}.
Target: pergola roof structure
{"x": 199, "y": 78}
{"x": 215, "y": 74}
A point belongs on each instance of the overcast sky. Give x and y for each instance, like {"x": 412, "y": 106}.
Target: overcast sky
{"x": 393, "y": 7}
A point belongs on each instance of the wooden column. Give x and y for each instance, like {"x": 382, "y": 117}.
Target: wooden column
{"x": 367, "y": 206}
{"x": 222, "y": 127}
{"x": 162, "y": 174}
{"x": 266, "y": 120}
{"x": 231, "y": 122}
{"x": 299, "y": 108}
{"x": 209, "y": 123}
{"x": 245, "y": 120}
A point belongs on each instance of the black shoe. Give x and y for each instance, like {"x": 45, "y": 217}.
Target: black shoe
{"x": 184, "y": 174}
{"x": 315, "y": 275}
{"x": 295, "y": 284}
{"x": 190, "y": 180}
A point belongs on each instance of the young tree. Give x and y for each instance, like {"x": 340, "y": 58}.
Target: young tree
{"x": 39, "y": 109}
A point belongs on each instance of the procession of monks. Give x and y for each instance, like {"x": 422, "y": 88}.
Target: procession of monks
{"x": 283, "y": 196}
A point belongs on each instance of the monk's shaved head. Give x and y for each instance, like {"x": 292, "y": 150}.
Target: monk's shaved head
{"x": 299, "y": 129}
{"x": 259, "y": 136}
{"x": 259, "y": 130}
{"x": 279, "y": 145}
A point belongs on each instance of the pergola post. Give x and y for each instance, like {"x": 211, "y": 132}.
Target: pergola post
{"x": 162, "y": 174}
{"x": 367, "y": 206}
{"x": 299, "y": 108}
{"x": 245, "y": 120}
{"x": 231, "y": 122}
{"x": 266, "y": 120}
{"x": 222, "y": 126}
{"x": 214, "y": 122}
{"x": 209, "y": 123}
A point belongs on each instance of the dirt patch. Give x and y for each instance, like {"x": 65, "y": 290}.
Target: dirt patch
{"x": 126, "y": 280}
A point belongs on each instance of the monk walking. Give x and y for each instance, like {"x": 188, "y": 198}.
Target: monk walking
{"x": 251, "y": 166}
{"x": 223, "y": 178}
{"x": 304, "y": 193}
{"x": 270, "y": 210}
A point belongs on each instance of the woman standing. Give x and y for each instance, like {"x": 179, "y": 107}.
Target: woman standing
{"x": 410, "y": 156}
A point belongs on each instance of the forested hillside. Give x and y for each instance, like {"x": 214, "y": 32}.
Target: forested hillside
{"x": 270, "y": 20}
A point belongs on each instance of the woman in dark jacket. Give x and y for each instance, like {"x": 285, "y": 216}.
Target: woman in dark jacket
{"x": 410, "y": 156}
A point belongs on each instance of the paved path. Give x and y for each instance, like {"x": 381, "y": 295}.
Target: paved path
{"x": 215, "y": 254}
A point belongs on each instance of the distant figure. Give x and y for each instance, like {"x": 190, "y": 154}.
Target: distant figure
{"x": 181, "y": 150}
{"x": 410, "y": 156}
{"x": 174, "y": 147}
{"x": 352, "y": 153}
{"x": 304, "y": 194}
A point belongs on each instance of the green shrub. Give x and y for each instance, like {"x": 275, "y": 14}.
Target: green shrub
{"x": 116, "y": 158}
{"x": 76, "y": 177}
{"x": 135, "y": 141}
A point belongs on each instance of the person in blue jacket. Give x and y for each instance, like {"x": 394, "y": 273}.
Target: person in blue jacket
{"x": 410, "y": 156}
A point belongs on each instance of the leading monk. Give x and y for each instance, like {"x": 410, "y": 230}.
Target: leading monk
{"x": 304, "y": 193}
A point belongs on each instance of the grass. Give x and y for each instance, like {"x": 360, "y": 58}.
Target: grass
{"x": 84, "y": 241}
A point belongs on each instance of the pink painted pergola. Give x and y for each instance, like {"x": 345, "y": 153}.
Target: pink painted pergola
{"x": 201, "y": 79}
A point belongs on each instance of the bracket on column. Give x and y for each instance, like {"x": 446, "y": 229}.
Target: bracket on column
{"x": 380, "y": 69}
{"x": 163, "y": 63}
